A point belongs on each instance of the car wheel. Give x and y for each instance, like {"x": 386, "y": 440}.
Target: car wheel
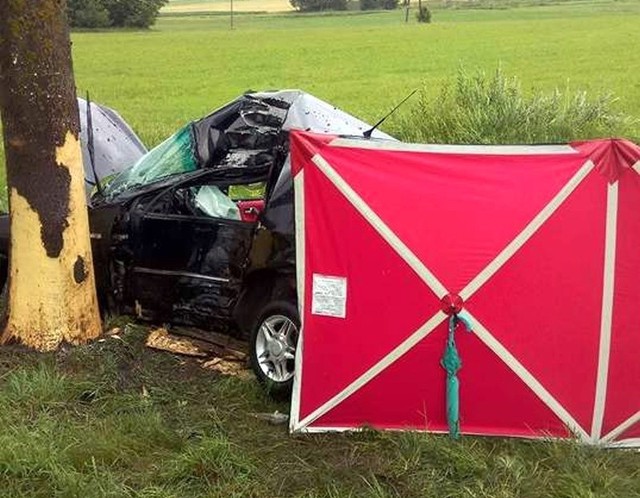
{"x": 273, "y": 347}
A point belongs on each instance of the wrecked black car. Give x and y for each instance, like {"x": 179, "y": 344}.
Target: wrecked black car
{"x": 200, "y": 230}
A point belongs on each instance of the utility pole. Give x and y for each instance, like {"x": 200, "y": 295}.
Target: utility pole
{"x": 231, "y": 2}
{"x": 52, "y": 294}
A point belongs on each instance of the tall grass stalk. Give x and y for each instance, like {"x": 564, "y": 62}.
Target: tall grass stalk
{"x": 482, "y": 108}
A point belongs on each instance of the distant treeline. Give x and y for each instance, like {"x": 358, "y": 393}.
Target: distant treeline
{"x": 113, "y": 13}
{"x": 321, "y": 5}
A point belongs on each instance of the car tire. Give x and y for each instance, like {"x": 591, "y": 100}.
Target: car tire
{"x": 273, "y": 343}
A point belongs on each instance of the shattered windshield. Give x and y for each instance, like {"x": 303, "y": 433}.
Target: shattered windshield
{"x": 174, "y": 155}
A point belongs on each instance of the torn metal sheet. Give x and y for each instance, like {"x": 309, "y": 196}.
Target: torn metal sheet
{"x": 116, "y": 145}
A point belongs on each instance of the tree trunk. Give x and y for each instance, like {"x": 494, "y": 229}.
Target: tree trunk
{"x": 52, "y": 294}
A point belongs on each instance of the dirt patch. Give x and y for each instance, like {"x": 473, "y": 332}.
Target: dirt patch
{"x": 238, "y": 6}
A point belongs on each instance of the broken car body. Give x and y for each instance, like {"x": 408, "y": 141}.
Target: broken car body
{"x": 200, "y": 231}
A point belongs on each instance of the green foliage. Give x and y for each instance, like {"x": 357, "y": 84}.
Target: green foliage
{"x": 318, "y": 5}
{"x": 88, "y": 14}
{"x": 493, "y": 109}
{"x": 378, "y": 4}
{"x": 133, "y": 13}
{"x": 113, "y": 13}
{"x": 423, "y": 14}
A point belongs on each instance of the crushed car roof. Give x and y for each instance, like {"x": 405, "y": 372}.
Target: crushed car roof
{"x": 245, "y": 133}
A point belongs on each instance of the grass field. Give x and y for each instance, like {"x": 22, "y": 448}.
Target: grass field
{"x": 114, "y": 419}
{"x": 188, "y": 65}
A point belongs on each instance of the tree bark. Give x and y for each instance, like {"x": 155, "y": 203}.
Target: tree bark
{"x": 52, "y": 294}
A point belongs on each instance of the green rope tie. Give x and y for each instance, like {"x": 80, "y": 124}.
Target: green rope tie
{"x": 452, "y": 363}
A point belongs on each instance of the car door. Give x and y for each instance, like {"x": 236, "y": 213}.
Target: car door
{"x": 190, "y": 249}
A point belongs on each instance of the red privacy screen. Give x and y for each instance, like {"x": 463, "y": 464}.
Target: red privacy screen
{"x": 531, "y": 250}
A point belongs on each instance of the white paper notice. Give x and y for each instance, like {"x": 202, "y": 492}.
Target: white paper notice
{"x": 329, "y": 296}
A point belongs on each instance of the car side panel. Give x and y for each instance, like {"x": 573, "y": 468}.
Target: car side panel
{"x": 189, "y": 269}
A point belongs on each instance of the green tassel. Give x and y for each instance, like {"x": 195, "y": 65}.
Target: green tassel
{"x": 452, "y": 363}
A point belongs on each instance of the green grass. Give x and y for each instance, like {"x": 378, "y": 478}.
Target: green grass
{"x": 491, "y": 108}
{"x": 114, "y": 419}
{"x": 364, "y": 63}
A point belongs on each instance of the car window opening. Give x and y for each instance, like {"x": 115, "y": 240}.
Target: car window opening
{"x": 173, "y": 156}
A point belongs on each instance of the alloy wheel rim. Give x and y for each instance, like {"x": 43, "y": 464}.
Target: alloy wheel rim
{"x": 276, "y": 347}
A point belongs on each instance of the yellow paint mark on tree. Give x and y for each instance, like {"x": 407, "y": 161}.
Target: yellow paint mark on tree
{"x": 46, "y": 304}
